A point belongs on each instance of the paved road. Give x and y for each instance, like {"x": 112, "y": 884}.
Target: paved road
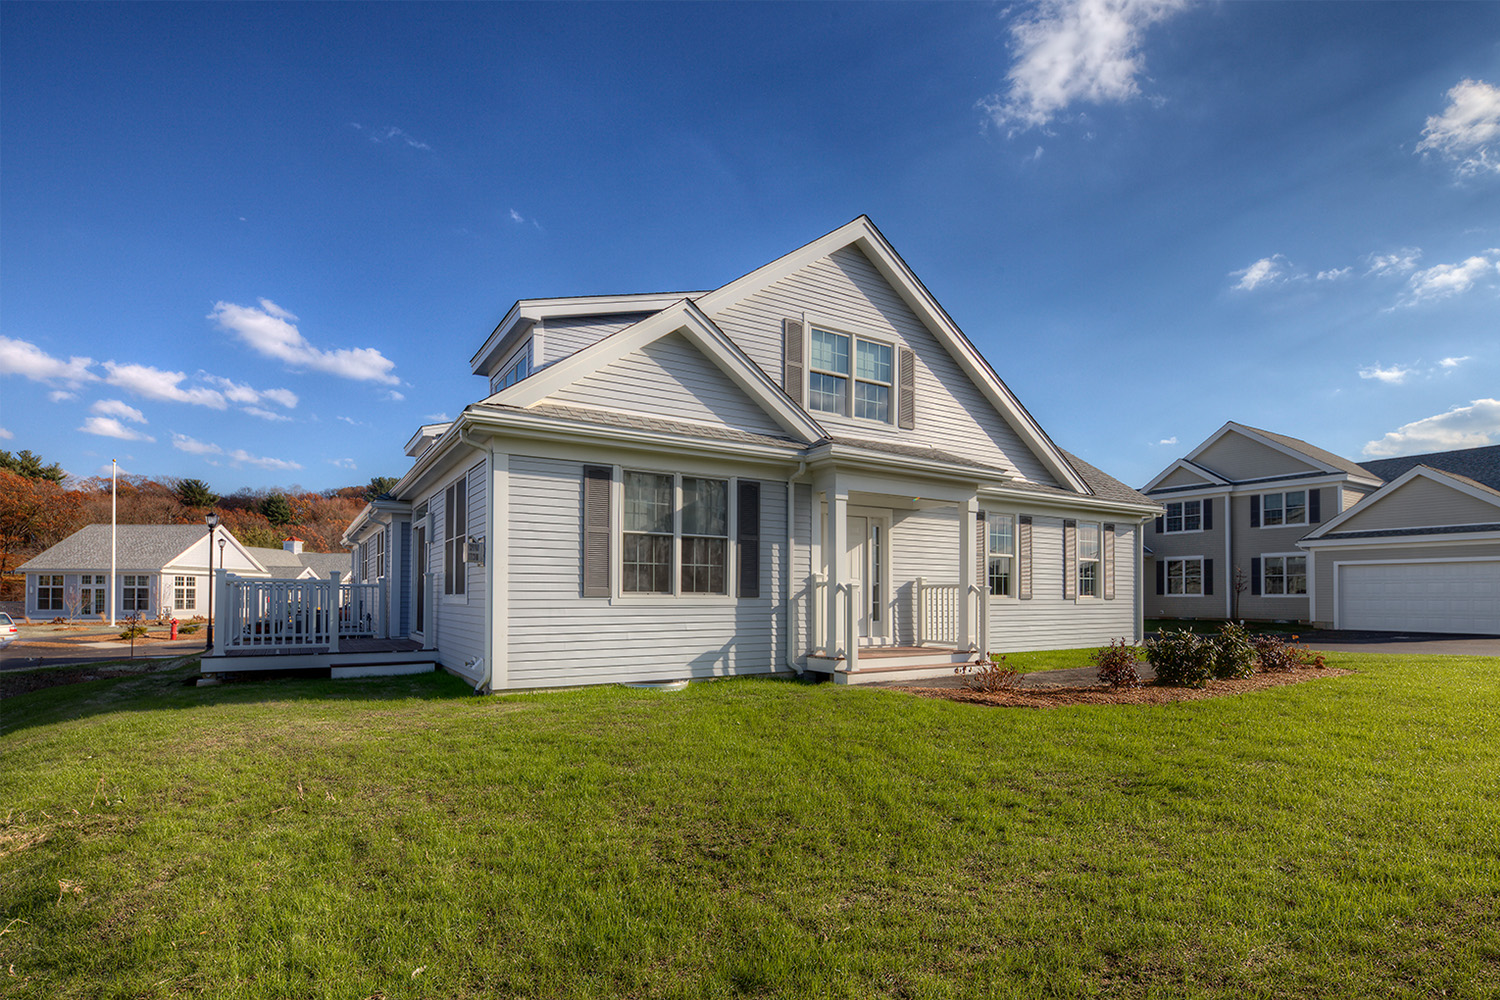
{"x": 49, "y": 646}
{"x": 1419, "y": 643}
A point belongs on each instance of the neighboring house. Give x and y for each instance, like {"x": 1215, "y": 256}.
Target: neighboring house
{"x": 810, "y": 468}
{"x": 1285, "y": 516}
{"x": 160, "y": 569}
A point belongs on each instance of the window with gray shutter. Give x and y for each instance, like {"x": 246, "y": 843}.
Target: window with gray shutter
{"x": 1023, "y": 557}
{"x": 906, "y": 390}
{"x": 1109, "y": 562}
{"x": 747, "y": 531}
{"x": 795, "y": 373}
{"x": 597, "y": 481}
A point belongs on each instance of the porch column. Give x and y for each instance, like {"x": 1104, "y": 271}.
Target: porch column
{"x": 221, "y": 609}
{"x": 968, "y": 623}
{"x": 836, "y": 556}
{"x": 333, "y": 609}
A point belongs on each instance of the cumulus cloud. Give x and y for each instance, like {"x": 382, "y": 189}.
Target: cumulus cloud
{"x": 1472, "y": 426}
{"x": 238, "y": 456}
{"x": 61, "y": 395}
{"x": 342, "y": 463}
{"x": 1334, "y": 274}
{"x": 1393, "y": 375}
{"x": 157, "y": 383}
{"x": 117, "y": 408}
{"x": 195, "y": 447}
{"x": 256, "y": 411}
{"x": 245, "y": 395}
{"x": 272, "y": 331}
{"x": 1400, "y": 262}
{"x": 392, "y": 396}
{"x": 20, "y": 357}
{"x": 437, "y": 418}
{"x": 110, "y": 427}
{"x": 1170, "y": 440}
{"x": 5, "y": 435}
{"x": 1444, "y": 281}
{"x": 1068, "y": 51}
{"x": 1468, "y": 130}
{"x": 1266, "y": 271}
{"x": 1454, "y": 362}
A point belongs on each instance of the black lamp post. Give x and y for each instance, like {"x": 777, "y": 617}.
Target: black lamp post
{"x": 212, "y": 520}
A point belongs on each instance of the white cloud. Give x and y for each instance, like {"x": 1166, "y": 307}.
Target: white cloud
{"x": 61, "y": 395}
{"x": 516, "y": 216}
{"x": 351, "y": 421}
{"x": 155, "y": 383}
{"x": 1266, "y": 271}
{"x": 5, "y": 435}
{"x": 342, "y": 463}
{"x": 1393, "y": 375}
{"x": 1468, "y": 130}
{"x": 256, "y": 411}
{"x": 1454, "y": 362}
{"x": 1444, "y": 281}
{"x": 1073, "y": 50}
{"x": 285, "y": 397}
{"x": 1334, "y": 274}
{"x": 393, "y": 396}
{"x": 20, "y": 357}
{"x": 1472, "y": 426}
{"x": 117, "y": 408}
{"x": 1170, "y": 440}
{"x": 195, "y": 447}
{"x": 271, "y": 330}
{"x": 239, "y": 456}
{"x": 110, "y": 427}
{"x": 437, "y": 418}
{"x": 1400, "y": 262}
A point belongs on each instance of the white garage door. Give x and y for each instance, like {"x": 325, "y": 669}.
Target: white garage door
{"x": 1421, "y": 597}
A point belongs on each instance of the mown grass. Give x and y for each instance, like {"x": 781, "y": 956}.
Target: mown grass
{"x": 405, "y": 838}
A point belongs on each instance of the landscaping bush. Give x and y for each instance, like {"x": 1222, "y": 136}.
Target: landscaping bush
{"x": 1278, "y": 655}
{"x": 1117, "y": 664}
{"x": 133, "y": 632}
{"x": 1181, "y": 659}
{"x": 188, "y": 629}
{"x": 1234, "y": 655}
{"x": 987, "y": 676}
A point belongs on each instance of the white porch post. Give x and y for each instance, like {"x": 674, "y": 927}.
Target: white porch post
{"x": 382, "y": 626}
{"x": 335, "y": 609}
{"x": 968, "y": 624}
{"x": 429, "y": 622}
{"x": 836, "y": 555}
{"x": 221, "y": 609}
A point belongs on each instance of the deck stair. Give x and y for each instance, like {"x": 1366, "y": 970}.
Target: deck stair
{"x": 892, "y": 663}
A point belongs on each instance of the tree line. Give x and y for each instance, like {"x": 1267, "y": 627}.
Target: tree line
{"x": 40, "y": 506}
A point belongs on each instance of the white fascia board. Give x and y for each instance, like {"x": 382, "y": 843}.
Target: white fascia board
{"x": 1400, "y": 541}
{"x": 846, "y": 457}
{"x": 426, "y": 432}
{"x": 686, "y": 318}
{"x": 531, "y": 311}
{"x": 1140, "y": 512}
{"x": 863, "y": 234}
{"x": 1174, "y": 493}
{"x": 1210, "y": 478}
{"x": 1416, "y": 471}
{"x": 430, "y": 459}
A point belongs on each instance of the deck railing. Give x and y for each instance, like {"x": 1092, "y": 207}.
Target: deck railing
{"x": 296, "y": 614}
{"x": 938, "y": 614}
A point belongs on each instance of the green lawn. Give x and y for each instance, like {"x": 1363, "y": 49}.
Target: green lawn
{"x": 404, "y": 838}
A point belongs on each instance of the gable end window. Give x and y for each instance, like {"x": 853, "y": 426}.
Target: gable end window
{"x": 185, "y": 593}
{"x": 852, "y": 376}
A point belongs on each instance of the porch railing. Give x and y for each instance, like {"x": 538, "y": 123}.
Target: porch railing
{"x": 290, "y": 614}
{"x": 939, "y": 608}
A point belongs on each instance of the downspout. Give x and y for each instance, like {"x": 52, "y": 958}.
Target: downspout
{"x": 791, "y": 564}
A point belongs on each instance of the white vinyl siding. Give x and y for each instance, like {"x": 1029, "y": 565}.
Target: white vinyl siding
{"x": 460, "y": 622}
{"x": 671, "y": 379}
{"x": 565, "y": 336}
{"x": 1423, "y": 503}
{"x": 846, "y": 289}
{"x": 559, "y": 638}
{"x": 1047, "y": 620}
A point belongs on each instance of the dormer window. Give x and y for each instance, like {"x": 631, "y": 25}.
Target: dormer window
{"x": 517, "y": 369}
{"x": 829, "y": 376}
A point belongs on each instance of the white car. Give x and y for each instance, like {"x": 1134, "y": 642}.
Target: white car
{"x": 7, "y": 629}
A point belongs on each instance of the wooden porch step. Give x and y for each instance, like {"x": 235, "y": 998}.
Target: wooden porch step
{"x": 891, "y": 663}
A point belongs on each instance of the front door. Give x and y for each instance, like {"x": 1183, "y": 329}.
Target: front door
{"x": 869, "y": 557}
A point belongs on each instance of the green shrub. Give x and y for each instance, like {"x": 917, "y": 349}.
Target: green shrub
{"x": 133, "y": 632}
{"x": 1234, "y": 655}
{"x": 188, "y": 629}
{"x": 1117, "y": 664}
{"x": 1277, "y": 654}
{"x": 1181, "y": 659}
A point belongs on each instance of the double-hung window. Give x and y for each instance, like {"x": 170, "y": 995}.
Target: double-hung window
{"x": 851, "y": 376}
{"x": 1283, "y": 508}
{"x": 1002, "y": 555}
{"x": 1090, "y": 552}
{"x": 1184, "y": 515}
{"x": 185, "y": 593}
{"x": 135, "y": 594}
{"x": 1185, "y": 576}
{"x": 1284, "y": 575}
{"x": 49, "y": 592}
{"x": 380, "y": 554}
{"x": 455, "y": 535}
{"x": 675, "y": 529}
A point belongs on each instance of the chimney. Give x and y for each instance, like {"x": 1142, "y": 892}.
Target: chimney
{"x": 293, "y": 545}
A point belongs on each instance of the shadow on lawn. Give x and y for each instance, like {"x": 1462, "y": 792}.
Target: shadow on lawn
{"x": 174, "y": 689}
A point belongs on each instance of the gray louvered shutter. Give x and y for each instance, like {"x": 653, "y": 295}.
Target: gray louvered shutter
{"x": 597, "y": 480}
{"x": 1255, "y": 511}
{"x": 1023, "y": 557}
{"x": 747, "y": 530}
{"x": 1314, "y": 506}
{"x": 1109, "y": 562}
{"x": 981, "y": 553}
{"x": 1208, "y": 578}
{"x": 1070, "y": 560}
{"x": 906, "y": 389}
{"x": 794, "y": 375}
{"x": 1208, "y": 513}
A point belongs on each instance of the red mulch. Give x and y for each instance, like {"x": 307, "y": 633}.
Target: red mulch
{"x": 1147, "y": 694}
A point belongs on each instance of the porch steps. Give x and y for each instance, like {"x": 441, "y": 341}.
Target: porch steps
{"x": 354, "y": 663}
{"x": 887, "y": 664}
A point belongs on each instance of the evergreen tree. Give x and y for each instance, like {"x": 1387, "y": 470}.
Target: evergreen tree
{"x": 24, "y": 463}
{"x": 278, "y": 509}
{"x": 380, "y": 486}
{"x": 195, "y": 493}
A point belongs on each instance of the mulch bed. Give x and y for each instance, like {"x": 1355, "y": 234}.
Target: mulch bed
{"x": 1147, "y": 694}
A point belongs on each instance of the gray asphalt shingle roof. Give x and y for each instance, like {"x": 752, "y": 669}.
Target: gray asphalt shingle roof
{"x": 1482, "y": 465}
{"x": 154, "y": 546}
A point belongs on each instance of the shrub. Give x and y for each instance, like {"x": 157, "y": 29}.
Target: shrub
{"x": 987, "y": 676}
{"x": 1181, "y": 659}
{"x": 1234, "y": 655}
{"x": 1117, "y": 664}
{"x": 188, "y": 629}
{"x": 1278, "y": 655}
{"x": 133, "y": 632}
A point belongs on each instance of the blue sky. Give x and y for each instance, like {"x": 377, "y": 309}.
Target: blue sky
{"x": 257, "y": 244}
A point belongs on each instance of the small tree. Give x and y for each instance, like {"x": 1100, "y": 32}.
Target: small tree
{"x": 195, "y": 493}
{"x": 1240, "y": 583}
{"x": 73, "y": 601}
{"x": 278, "y": 509}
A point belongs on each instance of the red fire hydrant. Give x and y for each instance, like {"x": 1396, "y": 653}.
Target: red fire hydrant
{"x": 174, "y": 628}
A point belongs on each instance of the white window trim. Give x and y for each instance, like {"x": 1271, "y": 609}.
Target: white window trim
{"x": 523, "y": 354}
{"x": 1167, "y": 576}
{"x": 1306, "y": 503}
{"x": 811, "y": 321}
{"x": 990, "y": 518}
{"x": 1265, "y": 560}
{"x": 617, "y": 530}
{"x": 1078, "y": 562}
{"x": 188, "y": 585}
{"x": 460, "y": 560}
{"x": 1166, "y": 528}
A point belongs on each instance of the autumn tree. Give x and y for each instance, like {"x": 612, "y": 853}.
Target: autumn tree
{"x": 34, "y": 513}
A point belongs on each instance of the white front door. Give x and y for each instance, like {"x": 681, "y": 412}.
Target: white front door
{"x": 869, "y": 566}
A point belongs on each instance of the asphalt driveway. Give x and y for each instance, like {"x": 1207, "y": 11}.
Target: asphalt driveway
{"x": 1419, "y": 643}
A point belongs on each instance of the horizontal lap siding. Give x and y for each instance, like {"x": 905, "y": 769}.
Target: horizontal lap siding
{"x": 924, "y": 543}
{"x": 1206, "y": 544}
{"x": 1325, "y": 558}
{"x": 1237, "y": 457}
{"x": 460, "y": 623}
{"x": 1048, "y": 620}
{"x": 1422, "y": 503}
{"x": 671, "y": 379}
{"x": 559, "y": 638}
{"x": 562, "y": 337}
{"x": 1252, "y": 543}
{"x": 952, "y": 413}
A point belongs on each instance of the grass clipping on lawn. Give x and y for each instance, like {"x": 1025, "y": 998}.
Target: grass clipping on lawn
{"x": 1150, "y": 693}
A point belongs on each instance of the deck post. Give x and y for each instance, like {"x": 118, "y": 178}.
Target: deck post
{"x": 968, "y": 512}
{"x": 383, "y": 619}
{"x": 429, "y": 624}
{"x": 335, "y": 612}
{"x": 837, "y": 553}
{"x": 852, "y": 612}
{"x": 221, "y": 609}
{"x": 921, "y": 630}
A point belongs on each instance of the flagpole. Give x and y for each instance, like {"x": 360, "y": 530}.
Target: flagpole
{"x": 114, "y": 469}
